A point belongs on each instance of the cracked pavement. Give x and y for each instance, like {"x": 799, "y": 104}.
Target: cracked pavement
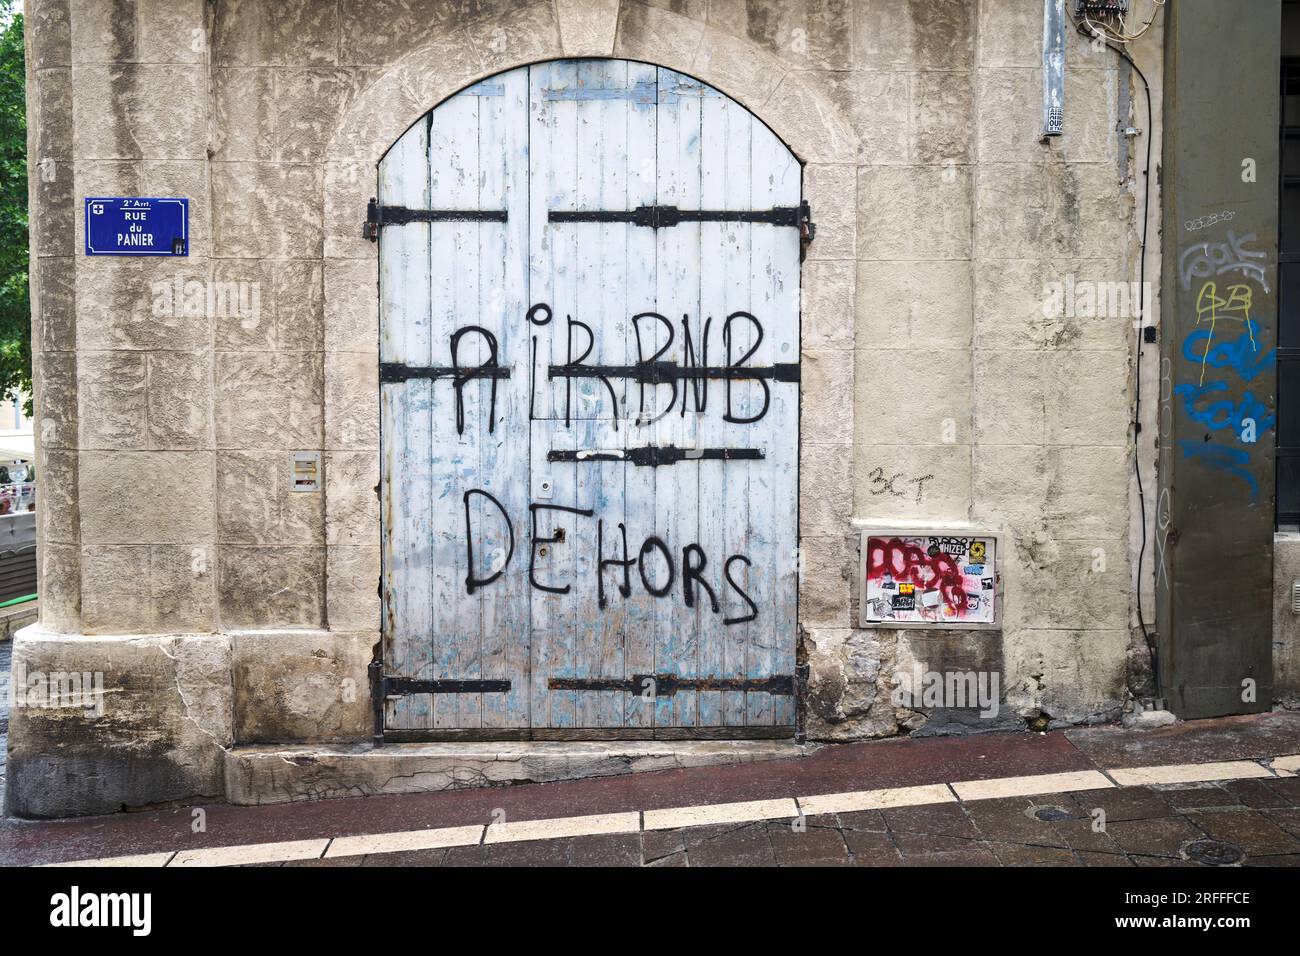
{"x": 1146, "y": 826}
{"x": 1250, "y": 821}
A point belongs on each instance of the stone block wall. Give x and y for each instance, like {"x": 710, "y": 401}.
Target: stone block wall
{"x": 935, "y": 390}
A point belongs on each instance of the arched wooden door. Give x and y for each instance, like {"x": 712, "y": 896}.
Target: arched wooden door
{"x": 589, "y": 282}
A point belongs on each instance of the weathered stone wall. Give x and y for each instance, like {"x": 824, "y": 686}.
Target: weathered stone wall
{"x": 973, "y": 408}
{"x": 164, "y": 438}
{"x": 1286, "y": 623}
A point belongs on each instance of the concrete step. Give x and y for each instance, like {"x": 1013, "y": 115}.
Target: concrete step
{"x": 292, "y": 774}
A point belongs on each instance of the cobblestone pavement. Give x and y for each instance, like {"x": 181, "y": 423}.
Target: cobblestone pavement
{"x": 1144, "y": 826}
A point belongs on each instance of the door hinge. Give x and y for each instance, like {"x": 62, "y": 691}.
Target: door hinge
{"x": 392, "y": 372}
{"x": 807, "y": 228}
{"x": 376, "y": 674}
{"x": 370, "y": 229}
{"x": 652, "y": 456}
{"x": 801, "y": 674}
{"x": 378, "y": 216}
{"x": 658, "y": 373}
{"x": 665, "y": 217}
{"x": 405, "y": 686}
{"x": 666, "y": 685}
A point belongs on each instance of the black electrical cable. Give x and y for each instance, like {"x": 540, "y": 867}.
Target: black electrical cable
{"x": 1137, "y": 387}
{"x": 1137, "y": 377}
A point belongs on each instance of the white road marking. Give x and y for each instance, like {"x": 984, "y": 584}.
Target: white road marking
{"x": 703, "y": 815}
{"x": 713, "y": 813}
{"x": 1187, "y": 773}
{"x": 876, "y": 799}
{"x": 1288, "y": 766}
{"x": 1031, "y": 785}
{"x": 404, "y": 841}
{"x": 138, "y": 859}
{"x": 514, "y": 831}
{"x": 251, "y": 853}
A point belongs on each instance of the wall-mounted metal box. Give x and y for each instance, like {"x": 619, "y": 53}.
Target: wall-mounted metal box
{"x": 1099, "y": 7}
{"x": 930, "y": 578}
{"x": 304, "y": 471}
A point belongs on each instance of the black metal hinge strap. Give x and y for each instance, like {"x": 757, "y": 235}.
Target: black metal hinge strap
{"x": 378, "y": 216}
{"x": 652, "y": 456}
{"x": 404, "y": 686}
{"x": 807, "y": 228}
{"x": 397, "y": 372}
{"x": 376, "y": 674}
{"x": 662, "y": 217}
{"x": 654, "y": 373}
{"x": 666, "y": 685}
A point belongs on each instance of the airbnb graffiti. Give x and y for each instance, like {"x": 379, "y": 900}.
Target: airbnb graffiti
{"x": 911, "y": 579}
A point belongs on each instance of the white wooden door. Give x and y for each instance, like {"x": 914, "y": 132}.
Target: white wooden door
{"x": 589, "y": 365}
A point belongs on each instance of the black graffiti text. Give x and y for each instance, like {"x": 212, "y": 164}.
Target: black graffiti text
{"x": 659, "y": 569}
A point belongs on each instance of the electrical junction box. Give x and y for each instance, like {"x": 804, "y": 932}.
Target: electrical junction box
{"x": 1099, "y": 7}
{"x": 304, "y": 471}
{"x": 931, "y": 579}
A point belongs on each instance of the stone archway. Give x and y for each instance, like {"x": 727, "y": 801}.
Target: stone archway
{"x": 589, "y": 333}
{"x": 784, "y": 100}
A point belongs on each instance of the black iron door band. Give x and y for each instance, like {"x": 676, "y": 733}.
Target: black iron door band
{"x": 666, "y": 685}
{"x": 404, "y": 686}
{"x": 662, "y": 217}
{"x": 653, "y": 373}
{"x": 652, "y": 456}
{"x": 397, "y": 372}
{"x": 378, "y": 216}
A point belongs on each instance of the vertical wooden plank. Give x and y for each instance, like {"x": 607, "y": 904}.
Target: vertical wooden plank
{"x": 733, "y": 340}
{"x": 601, "y": 655}
{"x": 785, "y": 189}
{"x": 676, "y": 486}
{"x": 541, "y": 296}
{"x": 640, "y": 266}
{"x": 723, "y": 486}
{"x": 454, "y": 184}
{"x": 759, "y": 540}
{"x": 503, "y": 464}
{"x": 405, "y": 422}
{"x": 772, "y": 493}
{"x": 551, "y": 161}
{"x": 571, "y": 171}
{"x": 602, "y": 106}
{"x": 582, "y": 303}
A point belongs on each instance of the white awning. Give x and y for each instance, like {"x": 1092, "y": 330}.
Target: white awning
{"x": 17, "y": 445}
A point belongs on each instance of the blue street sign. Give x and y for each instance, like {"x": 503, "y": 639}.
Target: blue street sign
{"x": 137, "y": 226}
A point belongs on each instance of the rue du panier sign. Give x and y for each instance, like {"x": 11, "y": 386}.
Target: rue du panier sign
{"x": 137, "y": 226}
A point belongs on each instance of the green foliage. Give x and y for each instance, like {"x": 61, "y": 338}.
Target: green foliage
{"x": 15, "y": 308}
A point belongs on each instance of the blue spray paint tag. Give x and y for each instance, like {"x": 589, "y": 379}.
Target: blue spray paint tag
{"x": 137, "y": 226}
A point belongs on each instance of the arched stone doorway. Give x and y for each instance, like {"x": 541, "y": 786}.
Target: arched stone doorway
{"x": 589, "y": 366}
